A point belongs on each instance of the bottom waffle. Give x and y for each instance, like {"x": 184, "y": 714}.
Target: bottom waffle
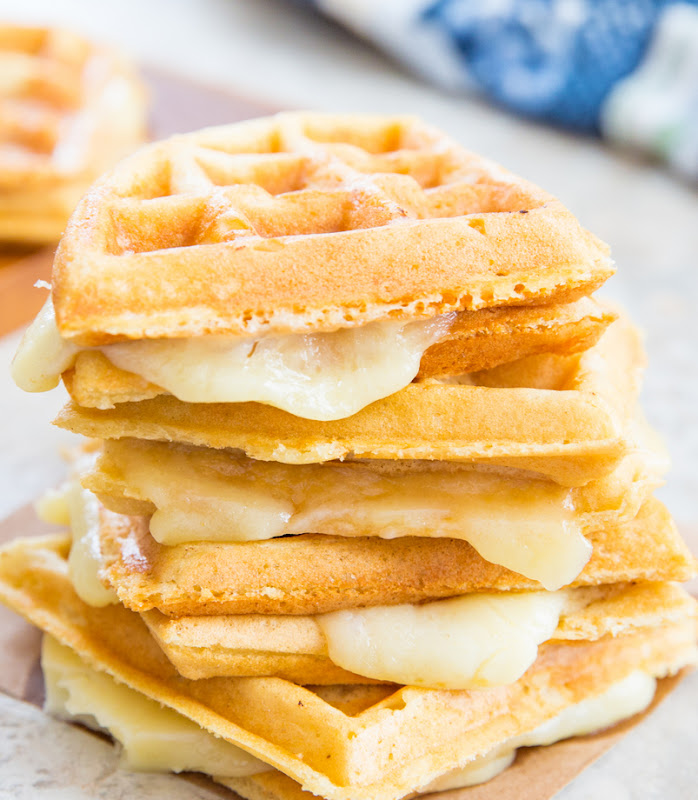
{"x": 155, "y": 738}
{"x": 339, "y": 742}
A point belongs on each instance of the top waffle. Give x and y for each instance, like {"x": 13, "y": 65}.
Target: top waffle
{"x": 310, "y": 222}
{"x": 68, "y": 110}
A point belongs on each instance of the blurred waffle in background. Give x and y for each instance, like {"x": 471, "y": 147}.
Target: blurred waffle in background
{"x": 68, "y": 110}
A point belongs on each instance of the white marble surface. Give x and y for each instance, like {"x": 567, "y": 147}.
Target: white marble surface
{"x": 268, "y": 49}
{"x": 46, "y": 759}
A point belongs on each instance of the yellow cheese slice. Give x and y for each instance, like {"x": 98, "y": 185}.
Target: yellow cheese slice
{"x": 620, "y": 701}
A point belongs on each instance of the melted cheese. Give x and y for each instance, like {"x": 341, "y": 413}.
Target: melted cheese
{"x": 623, "y": 699}
{"x": 479, "y": 770}
{"x": 153, "y": 737}
{"x": 157, "y": 739}
{"x": 467, "y": 642}
{"x": 529, "y": 527}
{"x": 73, "y": 506}
{"x": 620, "y": 701}
{"x": 84, "y": 559}
{"x": 321, "y": 376}
{"x": 42, "y": 355}
{"x": 52, "y": 506}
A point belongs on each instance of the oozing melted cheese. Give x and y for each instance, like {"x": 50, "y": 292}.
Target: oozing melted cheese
{"x": 157, "y": 739}
{"x": 467, "y": 642}
{"x": 321, "y": 376}
{"x": 52, "y": 506}
{"x": 479, "y": 770}
{"x": 529, "y": 527}
{"x": 620, "y": 701}
{"x": 153, "y": 737}
{"x": 43, "y": 355}
{"x": 84, "y": 559}
{"x": 79, "y": 509}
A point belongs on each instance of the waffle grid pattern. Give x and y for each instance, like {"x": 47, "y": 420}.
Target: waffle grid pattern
{"x": 299, "y": 175}
{"x": 46, "y": 75}
{"x": 310, "y": 221}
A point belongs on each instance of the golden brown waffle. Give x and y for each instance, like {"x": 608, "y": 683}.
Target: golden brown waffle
{"x": 480, "y": 340}
{"x": 68, "y": 110}
{"x": 295, "y": 649}
{"x": 310, "y": 222}
{"x": 310, "y": 574}
{"x": 565, "y": 417}
{"x": 339, "y": 742}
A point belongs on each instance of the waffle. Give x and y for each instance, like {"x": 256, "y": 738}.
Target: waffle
{"x": 68, "y": 110}
{"x": 566, "y": 417}
{"x": 294, "y": 648}
{"x": 477, "y": 340}
{"x": 480, "y": 340}
{"x": 310, "y": 222}
{"x": 312, "y": 573}
{"x": 342, "y": 743}
{"x": 359, "y": 498}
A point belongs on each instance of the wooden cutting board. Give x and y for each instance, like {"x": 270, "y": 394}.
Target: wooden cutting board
{"x": 177, "y": 105}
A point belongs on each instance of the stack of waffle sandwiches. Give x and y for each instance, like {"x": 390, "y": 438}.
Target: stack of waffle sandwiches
{"x": 366, "y": 503}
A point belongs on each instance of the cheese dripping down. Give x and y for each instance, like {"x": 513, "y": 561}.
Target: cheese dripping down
{"x": 319, "y": 376}
{"x": 529, "y": 527}
{"x": 153, "y": 737}
{"x": 79, "y": 509}
{"x": 468, "y": 642}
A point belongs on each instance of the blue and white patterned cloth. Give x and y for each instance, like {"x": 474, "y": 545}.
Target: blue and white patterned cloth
{"x": 626, "y": 70}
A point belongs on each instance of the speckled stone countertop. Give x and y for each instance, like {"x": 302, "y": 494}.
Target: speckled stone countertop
{"x": 269, "y": 50}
